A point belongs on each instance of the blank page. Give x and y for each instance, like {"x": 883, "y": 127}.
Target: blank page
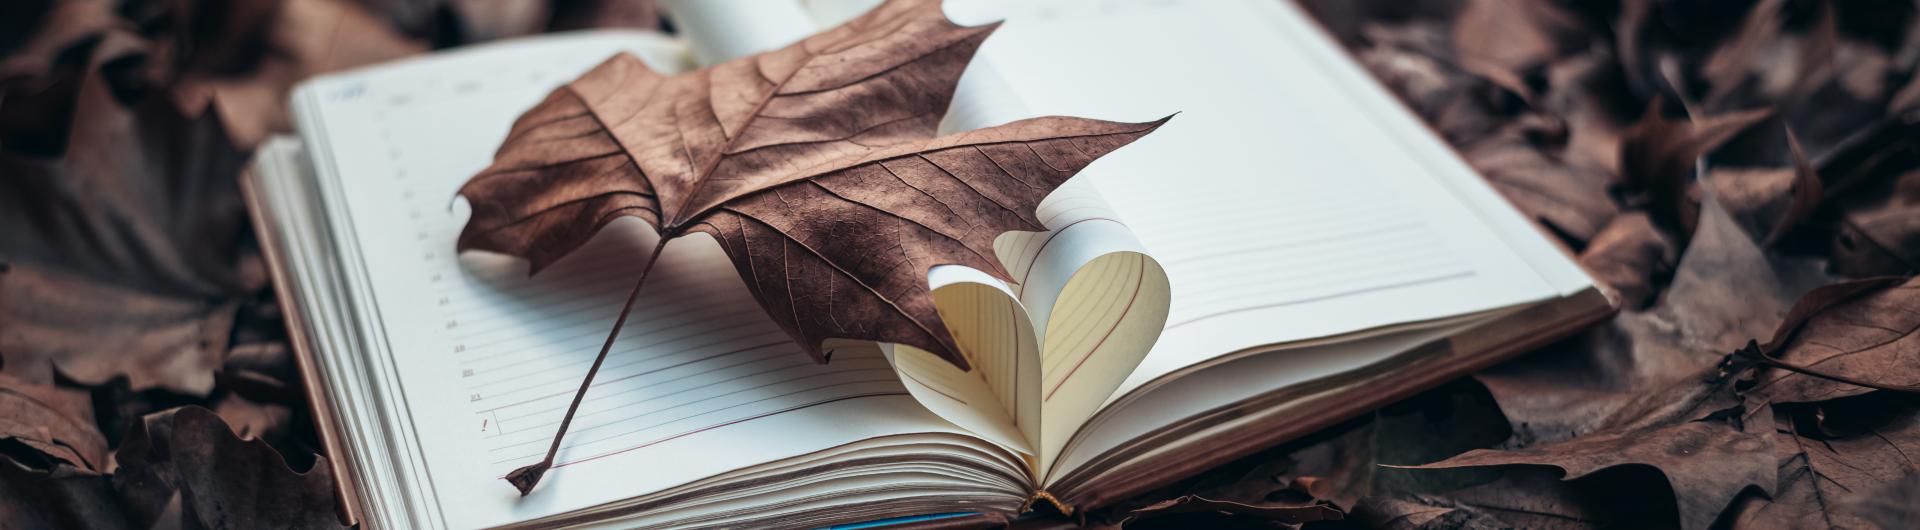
{"x": 1292, "y": 198}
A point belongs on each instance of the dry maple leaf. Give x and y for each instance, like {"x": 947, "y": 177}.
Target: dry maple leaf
{"x": 813, "y": 165}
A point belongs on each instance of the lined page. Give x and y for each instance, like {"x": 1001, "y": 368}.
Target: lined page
{"x": 701, "y": 381}
{"x": 1286, "y": 201}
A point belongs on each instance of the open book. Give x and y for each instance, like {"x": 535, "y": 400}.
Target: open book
{"x": 1294, "y": 249}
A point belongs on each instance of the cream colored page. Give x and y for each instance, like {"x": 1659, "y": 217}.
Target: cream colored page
{"x": 701, "y": 381}
{"x": 1282, "y": 200}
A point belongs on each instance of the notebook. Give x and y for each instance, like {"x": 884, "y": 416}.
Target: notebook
{"x": 1294, "y": 248}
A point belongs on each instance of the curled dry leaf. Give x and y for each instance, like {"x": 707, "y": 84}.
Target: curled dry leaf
{"x": 1632, "y": 257}
{"x": 1869, "y": 331}
{"x": 56, "y": 422}
{"x": 1768, "y": 203}
{"x": 222, "y": 481}
{"x": 1570, "y": 200}
{"x": 1658, "y": 156}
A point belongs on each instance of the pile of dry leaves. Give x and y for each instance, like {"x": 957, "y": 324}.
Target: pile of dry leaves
{"x": 145, "y": 376}
{"x": 1746, "y": 173}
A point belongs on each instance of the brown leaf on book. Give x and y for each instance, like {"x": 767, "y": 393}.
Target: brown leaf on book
{"x": 57, "y": 422}
{"x": 811, "y": 164}
{"x": 222, "y": 481}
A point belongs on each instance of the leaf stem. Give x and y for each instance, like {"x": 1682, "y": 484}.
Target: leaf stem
{"x": 526, "y": 477}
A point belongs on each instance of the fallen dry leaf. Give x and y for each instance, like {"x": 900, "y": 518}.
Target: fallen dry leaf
{"x": 142, "y": 194}
{"x": 1708, "y": 454}
{"x": 222, "y": 480}
{"x": 811, "y": 168}
{"x": 303, "y": 38}
{"x": 1881, "y": 228}
{"x": 57, "y": 422}
{"x": 1837, "y": 481}
{"x": 93, "y": 331}
{"x": 1658, "y": 156}
{"x": 36, "y": 33}
{"x": 64, "y": 497}
{"x": 1870, "y": 334}
{"x": 1513, "y": 35}
{"x": 1769, "y": 203}
{"x": 1631, "y": 256}
{"x": 1570, "y": 200}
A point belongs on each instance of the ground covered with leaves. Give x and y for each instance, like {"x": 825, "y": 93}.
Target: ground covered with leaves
{"x": 1745, "y": 173}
